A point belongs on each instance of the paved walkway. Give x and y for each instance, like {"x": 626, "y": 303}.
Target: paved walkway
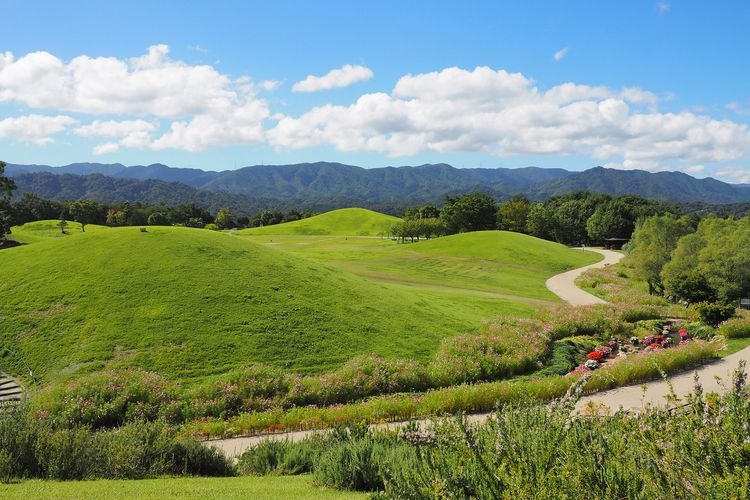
{"x": 564, "y": 286}
{"x": 635, "y": 397}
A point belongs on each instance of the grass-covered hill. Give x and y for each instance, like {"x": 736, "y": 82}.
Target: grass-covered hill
{"x": 343, "y": 222}
{"x": 471, "y": 271}
{"x": 190, "y": 302}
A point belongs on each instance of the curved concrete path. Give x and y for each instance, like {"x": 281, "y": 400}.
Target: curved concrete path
{"x": 715, "y": 376}
{"x": 564, "y": 286}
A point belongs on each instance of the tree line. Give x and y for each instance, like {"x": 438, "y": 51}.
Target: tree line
{"x": 691, "y": 260}
{"x": 572, "y": 219}
{"x": 32, "y": 207}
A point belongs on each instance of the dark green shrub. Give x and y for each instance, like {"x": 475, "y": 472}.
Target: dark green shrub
{"x": 713, "y": 313}
{"x": 191, "y": 457}
{"x": 135, "y": 451}
{"x": 64, "y": 453}
{"x": 566, "y": 355}
{"x": 352, "y": 465}
{"x": 7, "y": 472}
{"x": 264, "y": 458}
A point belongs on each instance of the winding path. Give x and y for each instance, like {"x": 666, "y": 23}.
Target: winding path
{"x": 564, "y": 286}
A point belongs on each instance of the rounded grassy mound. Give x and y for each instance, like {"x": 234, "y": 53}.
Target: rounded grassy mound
{"x": 191, "y": 303}
{"x": 342, "y": 222}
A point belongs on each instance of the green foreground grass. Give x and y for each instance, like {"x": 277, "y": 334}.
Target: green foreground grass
{"x": 258, "y": 488}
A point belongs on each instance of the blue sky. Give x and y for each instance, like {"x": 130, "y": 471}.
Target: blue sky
{"x": 650, "y": 85}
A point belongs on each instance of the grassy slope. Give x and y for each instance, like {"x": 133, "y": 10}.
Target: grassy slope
{"x": 488, "y": 264}
{"x": 346, "y": 221}
{"x": 258, "y": 488}
{"x": 34, "y": 232}
{"x": 190, "y": 303}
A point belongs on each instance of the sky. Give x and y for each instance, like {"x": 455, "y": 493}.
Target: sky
{"x": 651, "y": 85}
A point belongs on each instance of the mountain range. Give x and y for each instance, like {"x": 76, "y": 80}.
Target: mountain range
{"x": 325, "y": 185}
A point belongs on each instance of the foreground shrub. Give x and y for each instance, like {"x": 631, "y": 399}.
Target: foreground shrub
{"x": 354, "y": 464}
{"x": 534, "y": 451}
{"x": 33, "y": 448}
{"x": 737, "y": 328}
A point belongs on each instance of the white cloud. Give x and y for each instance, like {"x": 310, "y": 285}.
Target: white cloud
{"x": 107, "y": 147}
{"x": 662, "y": 7}
{"x": 129, "y": 133}
{"x": 736, "y": 174}
{"x": 741, "y": 108}
{"x": 149, "y": 86}
{"x": 560, "y": 54}
{"x": 37, "y": 129}
{"x": 501, "y": 113}
{"x": 336, "y": 78}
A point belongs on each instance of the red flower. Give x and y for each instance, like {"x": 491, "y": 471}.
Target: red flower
{"x": 595, "y": 355}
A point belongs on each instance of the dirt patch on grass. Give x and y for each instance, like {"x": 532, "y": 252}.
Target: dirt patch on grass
{"x": 52, "y": 310}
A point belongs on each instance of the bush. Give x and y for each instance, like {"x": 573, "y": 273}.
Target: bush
{"x": 538, "y": 451}
{"x": 713, "y": 313}
{"x": 492, "y": 356}
{"x": 108, "y": 399}
{"x": 7, "y": 474}
{"x": 737, "y": 328}
{"x": 264, "y": 458}
{"x": 38, "y": 449}
{"x": 353, "y": 464}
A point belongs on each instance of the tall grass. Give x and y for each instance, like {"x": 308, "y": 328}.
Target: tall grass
{"x": 470, "y": 398}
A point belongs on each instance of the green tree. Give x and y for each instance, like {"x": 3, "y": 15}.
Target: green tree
{"x": 718, "y": 250}
{"x": 471, "y": 212}
{"x": 225, "y": 219}
{"x": 159, "y": 219}
{"x": 652, "y": 245}
{"x": 616, "y": 218}
{"x": 6, "y": 189}
{"x": 512, "y": 214}
{"x": 31, "y": 207}
{"x": 85, "y": 212}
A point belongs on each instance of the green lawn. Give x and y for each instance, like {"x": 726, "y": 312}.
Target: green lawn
{"x": 191, "y": 303}
{"x": 496, "y": 263}
{"x": 345, "y": 221}
{"x": 257, "y": 488}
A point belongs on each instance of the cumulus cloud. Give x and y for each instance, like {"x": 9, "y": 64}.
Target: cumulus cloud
{"x": 560, "y": 54}
{"x": 107, "y": 147}
{"x": 736, "y": 174}
{"x": 502, "y": 113}
{"x": 37, "y": 129}
{"x": 336, "y": 78}
{"x": 152, "y": 85}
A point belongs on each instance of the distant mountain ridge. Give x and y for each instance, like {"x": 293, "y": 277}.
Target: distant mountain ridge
{"x": 326, "y": 184}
